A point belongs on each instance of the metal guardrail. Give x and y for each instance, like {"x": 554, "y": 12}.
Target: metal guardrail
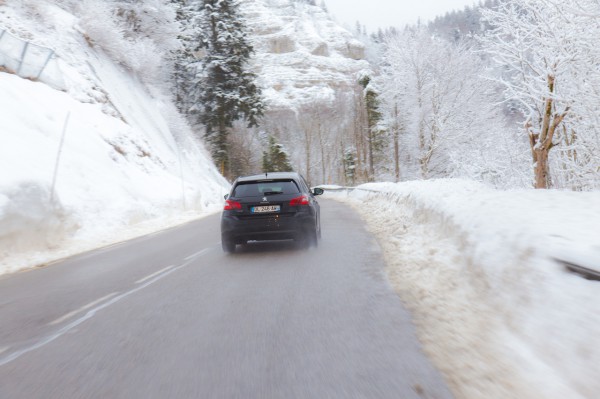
{"x": 349, "y": 189}
{"x": 585, "y": 272}
{"x": 29, "y": 60}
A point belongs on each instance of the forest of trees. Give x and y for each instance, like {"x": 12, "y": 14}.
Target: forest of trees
{"x": 507, "y": 93}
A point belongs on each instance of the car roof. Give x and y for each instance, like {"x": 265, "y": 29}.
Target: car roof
{"x": 269, "y": 176}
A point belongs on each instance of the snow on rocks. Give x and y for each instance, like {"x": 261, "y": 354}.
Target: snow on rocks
{"x": 495, "y": 312}
{"x": 302, "y": 57}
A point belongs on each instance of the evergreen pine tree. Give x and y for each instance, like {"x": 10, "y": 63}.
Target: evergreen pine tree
{"x": 375, "y": 133}
{"x": 350, "y": 166}
{"x": 226, "y": 89}
{"x": 267, "y": 166}
{"x": 280, "y": 158}
{"x": 185, "y": 63}
{"x": 276, "y": 159}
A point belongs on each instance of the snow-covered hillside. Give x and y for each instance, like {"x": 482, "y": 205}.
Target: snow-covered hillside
{"x": 302, "y": 56}
{"x": 129, "y": 163}
{"x": 496, "y": 313}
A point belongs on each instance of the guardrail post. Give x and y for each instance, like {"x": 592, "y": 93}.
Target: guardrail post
{"x": 45, "y": 64}
{"x": 23, "y": 53}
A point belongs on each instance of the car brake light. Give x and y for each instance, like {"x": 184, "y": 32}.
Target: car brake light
{"x": 301, "y": 200}
{"x": 231, "y": 205}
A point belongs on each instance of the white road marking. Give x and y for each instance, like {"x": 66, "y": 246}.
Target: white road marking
{"x": 91, "y": 313}
{"x": 154, "y": 274}
{"x": 194, "y": 255}
{"x": 81, "y": 309}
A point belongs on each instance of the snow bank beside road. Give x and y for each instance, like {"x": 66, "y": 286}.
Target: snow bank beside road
{"x": 29, "y": 220}
{"x": 497, "y": 314}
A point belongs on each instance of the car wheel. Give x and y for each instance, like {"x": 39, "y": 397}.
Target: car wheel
{"x": 315, "y": 236}
{"x": 310, "y": 238}
{"x": 228, "y": 245}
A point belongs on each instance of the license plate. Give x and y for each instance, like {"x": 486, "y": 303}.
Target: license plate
{"x": 265, "y": 208}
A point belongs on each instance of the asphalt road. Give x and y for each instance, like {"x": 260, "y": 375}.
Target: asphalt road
{"x": 171, "y": 316}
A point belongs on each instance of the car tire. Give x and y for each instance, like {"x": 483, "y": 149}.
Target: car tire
{"x": 310, "y": 238}
{"x": 315, "y": 237}
{"x": 319, "y": 233}
{"x": 228, "y": 245}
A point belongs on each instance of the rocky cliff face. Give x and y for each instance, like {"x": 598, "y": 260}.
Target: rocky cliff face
{"x": 302, "y": 56}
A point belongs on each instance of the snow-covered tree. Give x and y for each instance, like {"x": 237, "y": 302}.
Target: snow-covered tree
{"x": 350, "y": 166}
{"x": 375, "y": 131}
{"x": 441, "y": 112}
{"x": 185, "y": 58}
{"x": 225, "y": 88}
{"x": 152, "y": 19}
{"x": 138, "y": 34}
{"x": 548, "y": 51}
{"x": 276, "y": 158}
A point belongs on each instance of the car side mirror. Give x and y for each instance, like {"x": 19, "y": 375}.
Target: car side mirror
{"x": 318, "y": 191}
{"x": 226, "y": 196}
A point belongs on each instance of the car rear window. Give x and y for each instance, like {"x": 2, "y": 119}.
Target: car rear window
{"x": 255, "y": 189}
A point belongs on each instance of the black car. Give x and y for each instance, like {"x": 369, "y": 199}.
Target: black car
{"x": 270, "y": 206}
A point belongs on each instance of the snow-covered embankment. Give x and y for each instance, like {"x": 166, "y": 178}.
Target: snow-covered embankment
{"x": 498, "y": 316}
{"x": 128, "y": 164}
{"x": 113, "y": 181}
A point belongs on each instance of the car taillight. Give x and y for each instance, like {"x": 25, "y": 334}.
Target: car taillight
{"x": 301, "y": 200}
{"x": 232, "y": 205}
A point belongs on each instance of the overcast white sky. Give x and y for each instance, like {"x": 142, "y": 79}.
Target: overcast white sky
{"x": 384, "y": 13}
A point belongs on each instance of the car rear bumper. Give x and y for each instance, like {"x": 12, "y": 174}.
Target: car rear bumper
{"x": 267, "y": 227}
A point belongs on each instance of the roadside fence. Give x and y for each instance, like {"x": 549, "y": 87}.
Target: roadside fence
{"x": 29, "y": 60}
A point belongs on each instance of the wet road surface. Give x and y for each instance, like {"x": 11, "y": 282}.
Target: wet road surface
{"x": 171, "y": 316}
